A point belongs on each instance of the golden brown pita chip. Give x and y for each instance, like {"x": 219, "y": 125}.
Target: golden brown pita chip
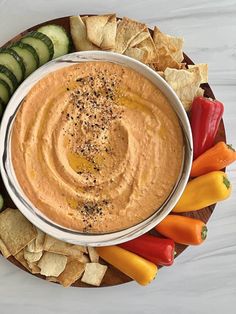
{"x": 32, "y": 257}
{"x": 20, "y": 258}
{"x": 101, "y": 30}
{"x": 149, "y": 45}
{"x": 165, "y": 60}
{"x": 82, "y": 259}
{"x": 184, "y": 83}
{"x": 52, "y": 264}
{"x": 34, "y": 269}
{"x": 144, "y": 50}
{"x": 79, "y": 35}
{"x": 71, "y": 273}
{"x": 127, "y": 30}
{"x": 203, "y": 71}
{"x": 174, "y": 45}
{"x": 94, "y": 273}
{"x": 56, "y": 246}
{"x": 137, "y": 53}
{"x": 4, "y": 249}
{"x": 93, "y": 255}
{"x": 139, "y": 38}
{"x": 37, "y": 244}
{"x": 15, "y": 230}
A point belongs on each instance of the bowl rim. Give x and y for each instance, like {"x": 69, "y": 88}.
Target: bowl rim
{"x": 31, "y": 212}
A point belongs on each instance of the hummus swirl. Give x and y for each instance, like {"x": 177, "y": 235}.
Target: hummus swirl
{"x": 96, "y": 147}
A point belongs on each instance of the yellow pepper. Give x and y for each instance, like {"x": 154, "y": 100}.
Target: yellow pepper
{"x": 129, "y": 263}
{"x": 204, "y": 191}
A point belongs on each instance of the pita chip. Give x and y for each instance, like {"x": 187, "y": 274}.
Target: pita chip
{"x": 165, "y": 60}
{"x": 94, "y": 273}
{"x": 174, "y": 45}
{"x": 139, "y": 38}
{"x": 20, "y": 258}
{"x": 56, "y": 246}
{"x": 149, "y": 46}
{"x": 93, "y": 255}
{"x": 34, "y": 268}
{"x": 15, "y": 230}
{"x": 52, "y": 264}
{"x": 32, "y": 257}
{"x": 71, "y": 273}
{"x": 4, "y": 249}
{"x": 36, "y": 245}
{"x": 79, "y": 34}
{"x": 203, "y": 71}
{"x": 137, "y": 53}
{"x": 185, "y": 83}
{"x": 127, "y": 30}
{"x": 101, "y": 30}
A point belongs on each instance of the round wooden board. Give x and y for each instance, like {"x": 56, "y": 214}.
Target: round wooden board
{"x": 113, "y": 276}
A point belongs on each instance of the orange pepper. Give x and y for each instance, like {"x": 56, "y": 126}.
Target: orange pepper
{"x": 184, "y": 230}
{"x": 129, "y": 263}
{"x": 215, "y": 158}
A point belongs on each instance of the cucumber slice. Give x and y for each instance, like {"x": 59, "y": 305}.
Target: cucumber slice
{"x": 5, "y": 91}
{"x": 10, "y": 59}
{"x": 42, "y": 44}
{"x": 7, "y": 76}
{"x": 59, "y": 37}
{"x": 29, "y": 56}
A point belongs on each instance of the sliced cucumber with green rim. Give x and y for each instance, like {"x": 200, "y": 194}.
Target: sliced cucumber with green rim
{"x": 10, "y": 59}
{"x": 29, "y": 56}
{"x": 42, "y": 44}
{"x": 59, "y": 37}
{"x": 7, "y": 76}
{"x": 5, "y": 91}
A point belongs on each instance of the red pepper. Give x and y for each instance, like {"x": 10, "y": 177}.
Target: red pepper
{"x": 156, "y": 250}
{"x": 206, "y": 114}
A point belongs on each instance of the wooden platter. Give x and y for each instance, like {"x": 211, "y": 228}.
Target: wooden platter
{"x": 113, "y": 276}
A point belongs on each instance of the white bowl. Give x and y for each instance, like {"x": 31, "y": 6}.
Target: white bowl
{"x": 35, "y": 215}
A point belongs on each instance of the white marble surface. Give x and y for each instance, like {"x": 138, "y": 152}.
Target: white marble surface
{"x": 203, "y": 279}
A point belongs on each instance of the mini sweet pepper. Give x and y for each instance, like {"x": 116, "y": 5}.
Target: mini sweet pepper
{"x": 204, "y": 191}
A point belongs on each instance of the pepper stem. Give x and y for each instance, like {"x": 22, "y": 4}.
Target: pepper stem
{"x": 204, "y": 232}
{"x": 226, "y": 182}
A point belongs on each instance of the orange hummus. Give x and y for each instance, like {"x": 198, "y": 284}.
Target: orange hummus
{"x": 96, "y": 147}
